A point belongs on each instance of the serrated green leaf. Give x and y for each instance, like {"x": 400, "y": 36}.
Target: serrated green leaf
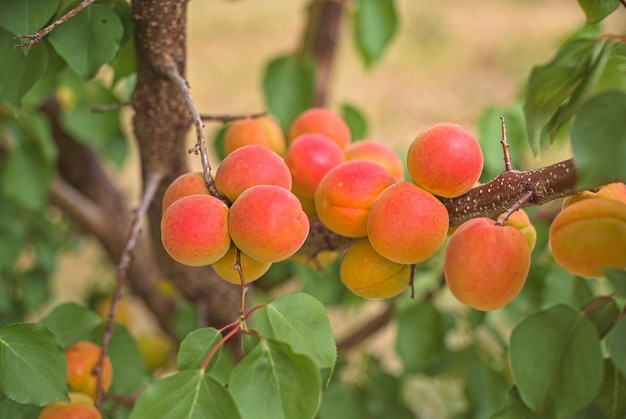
{"x": 32, "y": 364}
{"x": 602, "y": 312}
{"x": 356, "y": 121}
{"x": 89, "y": 39}
{"x": 556, "y": 361}
{"x": 618, "y": 280}
{"x": 196, "y": 347}
{"x": 375, "y": 24}
{"x": 188, "y": 394}
{"x": 26, "y": 16}
{"x": 596, "y": 10}
{"x": 71, "y": 322}
{"x": 273, "y": 382}
{"x": 599, "y": 140}
{"x": 616, "y": 344}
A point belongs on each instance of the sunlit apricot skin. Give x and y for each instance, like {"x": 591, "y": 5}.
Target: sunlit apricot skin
{"x": 345, "y": 195}
{"x": 248, "y": 166}
{"x": 194, "y": 230}
{"x": 589, "y": 236}
{"x": 445, "y": 159}
{"x": 615, "y": 191}
{"x": 369, "y": 275}
{"x": 321, "y": 121}
{"x": 485, "y": 264}
{"x": 406, "y": 224}
{"x": 519, "y": 219}
{"x": 65, "y": 410}
{"x": 264, "y": 131}
{"x": 81, "y": 358}
{"x": 191, "y": 183}
{"x": 267, "y": 223}
{"x": 378, "y": 153}
{"x": 252, "y": 269}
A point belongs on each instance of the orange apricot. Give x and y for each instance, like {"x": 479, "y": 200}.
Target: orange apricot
{"x": 321, "y": 121}
{"x": 486, "y": 264}
{"x": 445, "y": 159}
{"x": 264, "y": 131}
{"x": 81, "y": 358}
{"x": 267, "y": 223}
{"x": 191, "y": 183}
{"x": 378, "y": 153}
{"x": 615, "y": 191}
{"x": 194, "y": 230}
{"x": 519, "y": 219}
{"x": 369, "y": 275}
{"x": 589, "y": 236}
{"x": 406, "y": 224}
{"x": 252, "y": 269}
{"x": 67, "y": 410}
{"x": 345, "y": 195}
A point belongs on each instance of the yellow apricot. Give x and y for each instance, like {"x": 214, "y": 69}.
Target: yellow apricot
{"x": 519, "y": 219}
{"x": 82, "y": 357}
{"x": 252, "y": 269}
{"x": 378, "y": 153}
{"x": 263, "y": 131}
{"x": 155, "y": 348}
{"x": 615, "y": 191}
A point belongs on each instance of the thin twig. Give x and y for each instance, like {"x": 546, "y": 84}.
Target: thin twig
{"x": 230, "y": 118}
{"x": 109, "y": 108}
{"x": 152, "y": 183}
{"x": 623, "y": 2}
{"x": 505, "y": 148}
{"x": 528, "y": 195}
{"x": 36, "y": 37}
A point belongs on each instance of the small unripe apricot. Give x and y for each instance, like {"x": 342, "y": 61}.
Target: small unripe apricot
{"x": 194, "y": 230}
{"x": 191, "y": 183}
{"x": 345, "y": 195}
{"x": 485, "y": 264}
{"x": 82, "y": 357}
{"x": 321, "y": 121}
{"x": 369, "y": 275}
{"x": 589, "y": 236}
{"x": 406, "y": 224}
{"x": 155, "y": 348}
{"x": 252, "y": 269}
{"x": 378, "y": 153}
{"x": 263, "y": 131}
{"x": 248, "y": 166}
{"x": 267, "y": 223}
{"x": 445, "y": 159}
{"x": 615, "y": 191}
{"x": 519, "y": 219}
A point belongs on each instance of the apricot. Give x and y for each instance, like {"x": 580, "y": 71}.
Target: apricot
{"x": 191, "y": 183}
{"x": 267, "y": 223}
{"x": 155, "y": 349}
{"x": 252, "y": 269}
{"x": 248, "y": 166}
{"x": 308, "y": 204}
{"x": 309, "y": 158}
{"x": 81, "y": 358}
{"x": 378, "y": 153}
{"x": 519, "y": 219}
{"x": 445, "y": 159}
{"x": 369, "y": 275}
{"x": 123, "y": 312}
{"x": 486, "y": 264}
{"x": 65, "y": 410}
{"x": 264, "y": 131}
{"x": 589, "y": 236}
{"x": 194, "y": 230}
{"x": 406, "y": 224}
{"x": 345, "y": 195}
{"x": 321, "y": 121}
{"x": 615, "y": 191}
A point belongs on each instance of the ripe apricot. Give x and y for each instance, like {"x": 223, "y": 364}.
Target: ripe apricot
{"x": 369, "y": 275}
{"x": 252, "y": 269}
{"x": 69, "y": 410}
{"x": 378, "y": 153}
{"x": 248, "y": 166}
{"x": 485, "y": 264}
{"x": 191, "y": 183}
{"x": 267, "y": 223}
{"x": 589, "y": 236}
{"x": 615, "y": 191}
{"x": 519, "y": 219}
{"x": 321, "y": 121}
{"x": 194, "y": 230}
{"x": 82, "y": 357}
{"x": 445, "y": 159}
{"x": 264, "y": 131}
{"x": 309, "y": 158}
{"x": 406, "y": 224}
{"x": 345, "y": 195}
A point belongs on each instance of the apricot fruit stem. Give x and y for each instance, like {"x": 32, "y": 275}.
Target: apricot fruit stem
{"x": 225, "y": 118}
{"x": 527, "y": 196}
{"x": 508, "y": 166}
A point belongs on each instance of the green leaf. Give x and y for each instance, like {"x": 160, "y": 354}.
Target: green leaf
{"x": 344, "y": 401}
{"x": 560, "y": 286}
{"x": 289, "y": 87}
{"x": 618, "y": 280}
{"x": 301, "y": 321}
{"x": 275, "y": 383}
{"x": 89, "y": 39}
{"x": 26, "y": 16}
{"x": 196, "y": 347}
{"x": 188, "y": 394}
{"x": 596, "y": 10}
{"x": 10, "y": 409}
{"x": 12, "y": 234}
{"x": 32, "y": 364}
{"x": 602, "y": 312}
{"x": 610, "y": 402}
{"x": 71, "y": 322}
{"x": 599, "y": 140}
{"x": 485, "y": 390}
{"x": 616, "y": 343}
{"x": 356, "y": 121}
{"x": 375, "y": 23}
{"x": 514, "y": 408}
{"x": 556, "y": 360}
{"x": 614, "y": 76}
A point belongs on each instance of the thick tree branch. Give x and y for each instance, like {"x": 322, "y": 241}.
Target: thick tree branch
{"x": 78, "y": 207}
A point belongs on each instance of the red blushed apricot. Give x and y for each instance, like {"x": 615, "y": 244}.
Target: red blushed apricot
{"x": 378, "y": 153}
{"x": 519, "y": 219}
{"x": 248, "y": 166}
{"x": 406, "y": 224}
{"x": 81, "y": 358}
{"x": 263, "y": 131}
{"x": 445, "y": 159}
{"x": 369, "y": 275}
{"x": 321, "y": 121}
{"x": 194, "y": 230}
{"x": 485, "y": 264}
{"x": 191, "y": 183}
{"x": 267, "y": 223}
{"x": 345, "y": 195}
{"x": 615, "y": 191}
{"x": 252, "y": 269}
{"x": 589, "y": 236}
{"x": 309, "y": 158}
